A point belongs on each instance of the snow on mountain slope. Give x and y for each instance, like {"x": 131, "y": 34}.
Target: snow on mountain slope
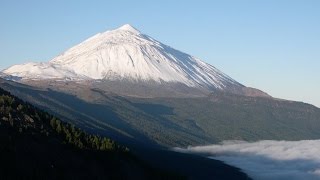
{"x": 125, "y": 53}
{"x": 41, "y": 71}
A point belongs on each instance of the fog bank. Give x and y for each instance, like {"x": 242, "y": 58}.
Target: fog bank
{"x": 265, "y": 160}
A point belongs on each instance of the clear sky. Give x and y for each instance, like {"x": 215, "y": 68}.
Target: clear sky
{"x": 273, "y": 45}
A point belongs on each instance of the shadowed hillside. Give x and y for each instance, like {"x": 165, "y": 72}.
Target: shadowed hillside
{"x": 37, "y": 145}
{"x": 171, "y": 122}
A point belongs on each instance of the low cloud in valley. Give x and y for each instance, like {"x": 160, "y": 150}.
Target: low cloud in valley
{"x": 265, "y": 160}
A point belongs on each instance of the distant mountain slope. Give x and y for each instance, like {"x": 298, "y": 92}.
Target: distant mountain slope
{"x": 169, "y": 121}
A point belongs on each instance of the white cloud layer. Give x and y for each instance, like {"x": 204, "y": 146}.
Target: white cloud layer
{"x": 265, "y": 160}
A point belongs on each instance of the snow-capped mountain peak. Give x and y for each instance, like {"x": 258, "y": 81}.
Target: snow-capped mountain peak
{"x": 126, "y": 54}
{"x": 128, "y": 27}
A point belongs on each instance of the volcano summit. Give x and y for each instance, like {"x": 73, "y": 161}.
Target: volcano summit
{"x": 126, "y": 54}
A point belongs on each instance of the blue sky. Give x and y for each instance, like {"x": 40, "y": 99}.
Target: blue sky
{"x": 272, "y": 45}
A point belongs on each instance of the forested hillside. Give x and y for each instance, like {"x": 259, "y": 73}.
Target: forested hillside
{"x": 37, "y": 145}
